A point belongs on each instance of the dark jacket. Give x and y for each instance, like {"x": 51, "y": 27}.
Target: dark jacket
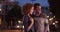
{"x": 27, "y": 23}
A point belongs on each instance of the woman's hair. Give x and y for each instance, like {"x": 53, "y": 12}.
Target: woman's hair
{"x": 27, "y": 7}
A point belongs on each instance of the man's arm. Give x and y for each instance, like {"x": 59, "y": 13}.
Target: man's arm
{"x": 47, "y": 26}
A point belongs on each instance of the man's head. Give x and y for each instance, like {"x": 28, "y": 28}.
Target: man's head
{"x": 37, "y": 7}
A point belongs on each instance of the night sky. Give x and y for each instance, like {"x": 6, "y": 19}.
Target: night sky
{"x": 42, "y": 2}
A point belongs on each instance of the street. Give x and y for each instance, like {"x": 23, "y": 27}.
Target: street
{"x": 11, "y": 30}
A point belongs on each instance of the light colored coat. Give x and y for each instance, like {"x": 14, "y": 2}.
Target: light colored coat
{"x": 41, "y": 24}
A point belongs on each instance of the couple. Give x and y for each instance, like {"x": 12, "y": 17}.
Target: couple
{"x": 34, "y": 22}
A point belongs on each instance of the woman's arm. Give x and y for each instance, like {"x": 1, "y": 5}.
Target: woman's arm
{"x": 32, "y": 22}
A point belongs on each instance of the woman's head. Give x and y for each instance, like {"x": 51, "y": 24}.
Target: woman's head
{"x": 28, "y": 8}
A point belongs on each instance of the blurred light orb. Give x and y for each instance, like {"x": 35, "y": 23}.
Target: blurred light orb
{"x": 23, "y": 27}
{"x": 19, "y": 21}
{"x": 51, "y": 19}
{"x": 53, "y": 23}
{"x": 18, "y": 26}
{"x": 54, "y": 16}
{"x": 47, "y": 16}
{"x": 56, "y": 21}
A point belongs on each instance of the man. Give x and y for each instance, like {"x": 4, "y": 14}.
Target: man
{"x": 41, "y": 21}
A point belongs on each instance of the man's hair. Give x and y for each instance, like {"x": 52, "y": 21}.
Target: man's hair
{"x": 36, "y": 4}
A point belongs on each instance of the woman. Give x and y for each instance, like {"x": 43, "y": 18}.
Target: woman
{"x": 28, "y": 9}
